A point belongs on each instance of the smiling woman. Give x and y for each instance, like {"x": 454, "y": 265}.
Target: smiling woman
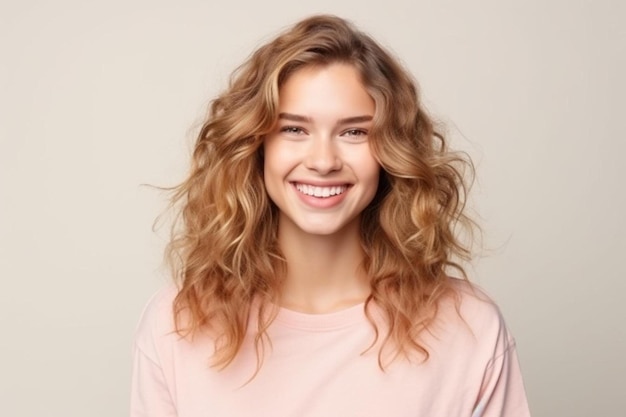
{"x": 318, "y": 232}
{"x": 319, "y": 169}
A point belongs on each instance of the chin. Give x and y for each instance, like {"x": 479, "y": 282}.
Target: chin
{"x": 325, "y": 228}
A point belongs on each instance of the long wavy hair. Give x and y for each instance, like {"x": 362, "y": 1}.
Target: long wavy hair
{"x": 224, "y": 251}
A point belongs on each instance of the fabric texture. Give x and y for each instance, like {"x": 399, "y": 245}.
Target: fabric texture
{"x": 319, "y": 365}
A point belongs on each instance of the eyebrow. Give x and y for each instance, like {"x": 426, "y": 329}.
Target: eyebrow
{"x": 306, "y": 119}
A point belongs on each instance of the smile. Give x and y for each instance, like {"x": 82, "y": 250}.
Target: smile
{"x": 320, "y": 192}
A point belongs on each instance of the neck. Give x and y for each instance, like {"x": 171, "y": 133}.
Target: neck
{"x": 324, "y": 272}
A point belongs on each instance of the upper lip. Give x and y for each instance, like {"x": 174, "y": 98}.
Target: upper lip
{"x": 318, "y": 183}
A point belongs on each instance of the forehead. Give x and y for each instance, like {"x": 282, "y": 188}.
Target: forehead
{"x": 333, "y": 88}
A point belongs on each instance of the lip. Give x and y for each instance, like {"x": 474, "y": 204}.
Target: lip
{"x": 318, "y": 183}
{"x": 321, "y": 202}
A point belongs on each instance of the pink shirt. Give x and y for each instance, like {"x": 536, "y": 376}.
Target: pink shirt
{"x": 315, "y": 368}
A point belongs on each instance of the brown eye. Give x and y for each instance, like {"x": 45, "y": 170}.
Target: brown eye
{"x": 355, "y": 133}
{"x": 292, "y": 130}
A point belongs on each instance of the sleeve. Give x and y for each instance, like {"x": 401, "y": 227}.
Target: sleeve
{"x": 150, "y": 394}
{"x": 502, "y": 392}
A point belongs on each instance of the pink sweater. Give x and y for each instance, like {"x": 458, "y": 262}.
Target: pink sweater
{"x": 315, "y": 368}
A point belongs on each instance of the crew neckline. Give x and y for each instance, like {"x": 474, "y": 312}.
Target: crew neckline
{"x": 346, "y": 317}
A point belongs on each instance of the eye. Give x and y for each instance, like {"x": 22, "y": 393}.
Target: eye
{"x": 355, "y": 133}
{"x": 293, "y": 130}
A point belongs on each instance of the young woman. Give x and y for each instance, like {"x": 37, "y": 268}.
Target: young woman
{"x": 319, "y": 226}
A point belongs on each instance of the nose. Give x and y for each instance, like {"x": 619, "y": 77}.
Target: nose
{"x": 322, "y": 156}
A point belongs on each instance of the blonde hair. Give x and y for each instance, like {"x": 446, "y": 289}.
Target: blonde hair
{"x": 225, "y": 252}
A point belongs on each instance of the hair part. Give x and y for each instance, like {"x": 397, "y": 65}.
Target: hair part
{"x": 225, "y": 253}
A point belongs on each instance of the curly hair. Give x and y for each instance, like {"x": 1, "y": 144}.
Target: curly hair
{"x": 225, "y": 253}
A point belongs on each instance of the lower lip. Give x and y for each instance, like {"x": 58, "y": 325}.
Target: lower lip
{"x": 321, "y": 202}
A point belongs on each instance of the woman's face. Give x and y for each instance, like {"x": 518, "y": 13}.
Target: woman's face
{"x": 319, "y": 169}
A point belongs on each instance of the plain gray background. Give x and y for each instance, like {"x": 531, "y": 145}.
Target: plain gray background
{"x": 99, "y": 97}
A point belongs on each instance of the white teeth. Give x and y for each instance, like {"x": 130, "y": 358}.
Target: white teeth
{"x": 320, "y": 191}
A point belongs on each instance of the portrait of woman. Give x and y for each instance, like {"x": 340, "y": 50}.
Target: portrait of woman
{"x": 280, "y": 208}
{"x": 319, "y": 230}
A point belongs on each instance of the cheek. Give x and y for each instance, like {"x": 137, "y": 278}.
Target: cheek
{"x": 269, "y": 155}
{"x": 366, "y": 166}
{"x": 275, "y": 167}
{"x": 270, "y": 179}
{"x": 374, "y": 180}
{"x": 271, "y": 158}
{"x": 370, "y": 174}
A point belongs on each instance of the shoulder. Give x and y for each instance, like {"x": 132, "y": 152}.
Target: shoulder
{"x": 468, "y": 314}
{"x": 156, "y": 321}
{"x": 474, "y": 305}
{"x": 473, "y": 349}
